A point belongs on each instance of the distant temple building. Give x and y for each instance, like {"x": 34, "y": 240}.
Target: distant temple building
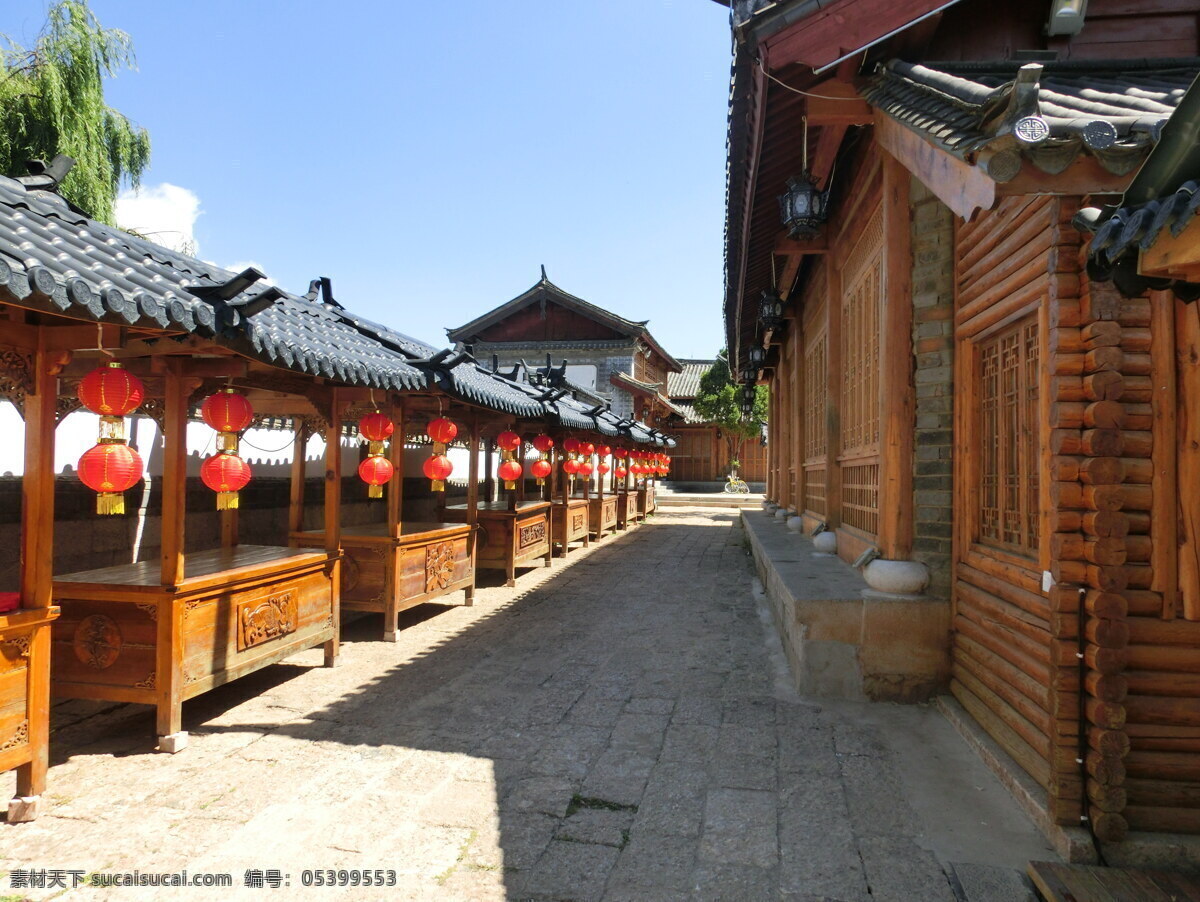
{"x": 613, "y": 358}
{"x": 610, "y": 360}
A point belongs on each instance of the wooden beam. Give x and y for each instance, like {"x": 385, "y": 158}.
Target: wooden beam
{"x": 786, "y": 247}
{"x": 828, "y": 144}
{"x": 963, "y": 188}
{"x": 1084, "y": 176}
{"x": 1173, "y": 256}
{"x": 836, "y": 103}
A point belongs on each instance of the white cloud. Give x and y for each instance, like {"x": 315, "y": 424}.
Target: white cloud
{"x": 244, "y": 264}
{"x": 164, "y": 213}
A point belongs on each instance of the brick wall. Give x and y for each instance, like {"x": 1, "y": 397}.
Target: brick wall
{"x": 933, "y": 345}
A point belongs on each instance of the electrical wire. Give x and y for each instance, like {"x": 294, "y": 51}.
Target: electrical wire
{"x": 783, "y": 84}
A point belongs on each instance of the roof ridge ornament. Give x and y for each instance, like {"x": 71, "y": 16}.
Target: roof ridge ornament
{"x": 45, "y": 176}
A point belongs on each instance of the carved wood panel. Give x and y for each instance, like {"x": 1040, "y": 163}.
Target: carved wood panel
{"x": 263, "y": 619}
{"x": 533, "y": 534}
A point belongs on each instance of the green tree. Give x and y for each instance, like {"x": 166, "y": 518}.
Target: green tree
{"x": 52, "y": 102}
{"x": 719, "y": 401}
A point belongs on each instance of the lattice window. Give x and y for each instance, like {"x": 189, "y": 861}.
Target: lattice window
{"x": 860, "y": 497}
{"x": 814, "y": 490}
{"x": 862, "y": 282}
{"x": 815, "y": 381}
{"x": 1008, "y": 473}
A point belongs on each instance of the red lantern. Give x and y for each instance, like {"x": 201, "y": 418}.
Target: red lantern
{"x": 376, "y": 471}
{"x": 441, "y": 430}
{"x": 227, "y": 411}
{"x": 110, "y": 468}
{"x": 543, "y": 443}
{"x": 111, "y": 391}
{"x": 376, "y": 427}
{"x": 603, "y": 469}
{"x": 571, "y": 445}
{"x": 570, "y": 466}
{"x": 587, "y": 449}
{"x": 621, "y": 471}
{"x": 620, "y": 453}
{"x": 437, "y": 470}
{"x": 604, "y": 450}
{"x": 508, "y": 441}
{"x": 541, "y": 469}
{"x": 226, "y": 474}
{"x": 585, "y": 469}
{"x": 510, "y": 472}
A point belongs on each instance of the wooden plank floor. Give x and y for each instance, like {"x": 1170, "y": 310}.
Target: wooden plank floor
{"x": 1082, "y": 883}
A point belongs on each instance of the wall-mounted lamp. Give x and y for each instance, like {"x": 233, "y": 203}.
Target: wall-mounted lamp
{"x": 770, "y": 310}
{"x": 1066, "y": 17}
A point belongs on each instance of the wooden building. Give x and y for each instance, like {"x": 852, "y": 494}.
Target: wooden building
{"x": 702, "y": 452}
{"x": 953, "y": 390}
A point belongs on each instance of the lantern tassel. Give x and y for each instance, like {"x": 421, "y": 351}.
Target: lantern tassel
{"x": 110, "y": 503}
{"x": 437, "y": 485}
{"x": 227, "y": 501}
{"x": 509, "y": 485}
{"x": 375, "y": 491}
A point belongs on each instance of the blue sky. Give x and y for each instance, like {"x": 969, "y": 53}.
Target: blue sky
{"x": 430, "y": 156}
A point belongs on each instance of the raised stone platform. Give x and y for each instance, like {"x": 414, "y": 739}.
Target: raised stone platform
{"x": 843, "y": 640}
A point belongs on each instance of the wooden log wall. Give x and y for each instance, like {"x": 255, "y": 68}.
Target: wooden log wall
{"x": 1160, "y": 344}
{"x": 1015, "y": 646}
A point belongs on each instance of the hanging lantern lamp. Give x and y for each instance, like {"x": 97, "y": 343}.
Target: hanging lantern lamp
{"x": 437, "y": 467}
{"x": 510, "y": 472}
{"x": 110, "y": 469}
{"x": 541, "y": 469}
{"x": 229, "y": 412}
{"x": 376, "y": 470}
{"x": 226, "y": 474}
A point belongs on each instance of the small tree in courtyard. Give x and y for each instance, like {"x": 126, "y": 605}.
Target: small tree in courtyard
{"x": 52, "y": 102}
{"x": 718, "y": 401}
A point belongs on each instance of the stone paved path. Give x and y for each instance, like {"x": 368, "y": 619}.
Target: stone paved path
{"x": 613, "y": 728}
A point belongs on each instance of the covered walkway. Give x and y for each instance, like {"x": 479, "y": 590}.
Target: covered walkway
{"x": 620, "y": 727}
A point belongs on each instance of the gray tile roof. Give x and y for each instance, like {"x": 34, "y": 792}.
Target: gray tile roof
{"x": 56, "y": 258}
{"x": 1049, "y": 112}
{"x": 686, "y": 385}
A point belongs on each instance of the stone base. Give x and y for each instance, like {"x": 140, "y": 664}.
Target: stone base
{"x": 1074, "y": 844}
{"x": 23, "y": 809}
{"x": 841, "y": 643}
{"x": 173, "y": 743}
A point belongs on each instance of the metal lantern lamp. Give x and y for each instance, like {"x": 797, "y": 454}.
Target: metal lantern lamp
{"x": 758, "y": 357}
{"x": 802, "y": 207}
{"x": 770, "y": 310}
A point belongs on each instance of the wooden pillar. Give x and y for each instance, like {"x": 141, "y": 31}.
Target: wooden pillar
{"x": 473, "y": 501}
{"x": 395, "y": 490}
{"x": 333, "y": 527}
{"x": 174, "y": 481}
{"x": 37, "y": 575}
{"x": 897, "y": 400}
{"x": 833, "y": 395}
{"x": 395, "y": 525}
{"x": 489, "y": 483}
{"x": 296, "y": 496}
